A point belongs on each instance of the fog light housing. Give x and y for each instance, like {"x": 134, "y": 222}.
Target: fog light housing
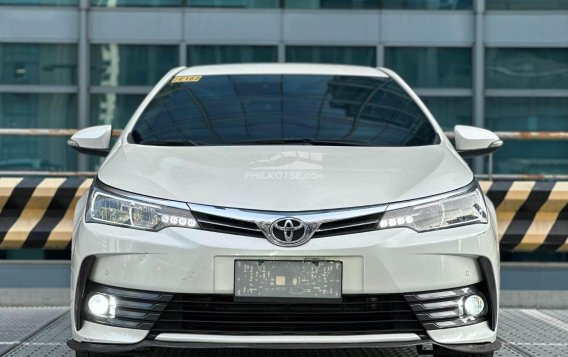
{"x": 474, "y": 305}
{"x": 102, "y": 305}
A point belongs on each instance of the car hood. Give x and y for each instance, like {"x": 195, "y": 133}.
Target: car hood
{"x": 285, "y": 178}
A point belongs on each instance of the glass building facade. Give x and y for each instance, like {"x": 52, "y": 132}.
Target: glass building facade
{"x": 94, "y": 61}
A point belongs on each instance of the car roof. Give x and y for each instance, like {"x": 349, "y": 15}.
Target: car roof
{"x": 283, "y": 68}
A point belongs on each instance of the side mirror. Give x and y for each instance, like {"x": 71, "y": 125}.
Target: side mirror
{"x": 472, "y": 141}
{"x": 92, "y": 141}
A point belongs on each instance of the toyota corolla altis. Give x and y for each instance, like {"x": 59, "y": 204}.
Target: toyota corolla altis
{"x": 284, "y": 206}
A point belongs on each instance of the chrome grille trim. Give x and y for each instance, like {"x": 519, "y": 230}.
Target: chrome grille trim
{"x": 227, "y": 225}
{"x": 438, "y": 315}
{"x": 435, "y": 305}
{"x": 444, "y": 309}
{"x": 269, "y": 216}
{"x": 240, "y": 221}
{"x": 349, "y": 226}
{"x": 135, "y": 309}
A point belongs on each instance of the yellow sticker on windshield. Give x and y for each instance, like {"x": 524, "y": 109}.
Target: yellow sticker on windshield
{"x": 182, "y": 79}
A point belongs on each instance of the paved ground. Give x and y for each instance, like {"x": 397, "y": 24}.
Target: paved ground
{"x": 43, "y": 332}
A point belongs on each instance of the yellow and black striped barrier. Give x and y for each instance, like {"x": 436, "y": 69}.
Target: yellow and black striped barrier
{"x": 38, "y": 212}
{"x": 532, "y": 215}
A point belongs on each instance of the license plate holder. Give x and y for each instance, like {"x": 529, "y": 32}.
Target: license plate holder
{"x": 288, "y": 280}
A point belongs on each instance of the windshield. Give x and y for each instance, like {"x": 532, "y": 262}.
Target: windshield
{"x": 282, "y": 109}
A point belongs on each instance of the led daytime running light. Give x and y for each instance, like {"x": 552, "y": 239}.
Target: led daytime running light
{"x": 466, "y": 207}
{"x": 117, "y": 210}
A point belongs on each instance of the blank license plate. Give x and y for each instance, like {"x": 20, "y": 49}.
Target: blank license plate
{"x": 273, "y": 280}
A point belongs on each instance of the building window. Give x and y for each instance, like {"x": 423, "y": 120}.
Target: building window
{"x": 534, "y": 157}
{"x": 40, "y": 2}
{"x": 200, "y": 55}
{"x": 115, "y": 3}
{"x": 429, "y": 4}
{"x": 270, "y": 4}
{"x": 131, "y": 65}
{"x": 530, "y": 68}
{"x": 114, "y": 109}
{"x": 450, "y": 111}
{"x": 535, "y": 69}
{"x": 38, "y": 64}
{"x": 364, "y": 56}
{"x": 529, "y": 114}
{"x": 431, "y": 67}
{"x": 30, "y": 110}
{"x": 526, "y": 5}
{"x": 381, "y": 4}
{"x": 333, "y": 4}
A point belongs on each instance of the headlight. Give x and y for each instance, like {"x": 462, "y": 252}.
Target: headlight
{"x": 461, "y": 208}
{"x": 120, "y": 210}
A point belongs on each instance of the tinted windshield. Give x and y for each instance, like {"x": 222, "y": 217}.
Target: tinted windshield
{"x": 280, "y": 109}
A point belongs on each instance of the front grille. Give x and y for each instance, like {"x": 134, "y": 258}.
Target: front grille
{"x": 219, "y": 314}
{"x": 227, "y": 225}
{"x": 216, "y": 223}
{"x": 348, "y": 226}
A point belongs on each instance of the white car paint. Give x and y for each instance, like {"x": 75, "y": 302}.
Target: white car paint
{"x": 472, "y": 138}
{"x": 312, "y": 177}
{"x": 95, "y": 137}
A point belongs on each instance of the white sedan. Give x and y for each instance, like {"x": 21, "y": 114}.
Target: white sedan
{"x": 284, "y": 206}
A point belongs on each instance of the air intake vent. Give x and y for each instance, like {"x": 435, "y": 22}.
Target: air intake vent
{"x": 219, "y": 314}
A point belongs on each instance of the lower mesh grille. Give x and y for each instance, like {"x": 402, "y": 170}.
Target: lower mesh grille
{"x": 219, "y": 314}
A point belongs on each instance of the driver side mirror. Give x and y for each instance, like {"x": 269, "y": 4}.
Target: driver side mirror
{"x": 94, "y": 140}
{"x": 472, "y": 141}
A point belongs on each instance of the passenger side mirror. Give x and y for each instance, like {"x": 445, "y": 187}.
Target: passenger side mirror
{"x": 472, "y": 141}
{"x": 92, "y": 141}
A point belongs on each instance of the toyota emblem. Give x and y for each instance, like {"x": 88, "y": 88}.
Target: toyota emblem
{"x": 289, "y": 232}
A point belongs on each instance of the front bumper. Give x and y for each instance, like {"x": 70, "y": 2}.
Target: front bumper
{"x": 146, "y": 345}
{"x": 189, "y": 261}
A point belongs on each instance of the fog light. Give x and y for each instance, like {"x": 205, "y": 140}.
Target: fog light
{"x": 474, "y": 305}
{"x": 99, "y": 304}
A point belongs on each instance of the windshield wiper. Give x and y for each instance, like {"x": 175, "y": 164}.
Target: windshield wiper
{"x": 168, "y": 142}
{"x": 302, "y": 141}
